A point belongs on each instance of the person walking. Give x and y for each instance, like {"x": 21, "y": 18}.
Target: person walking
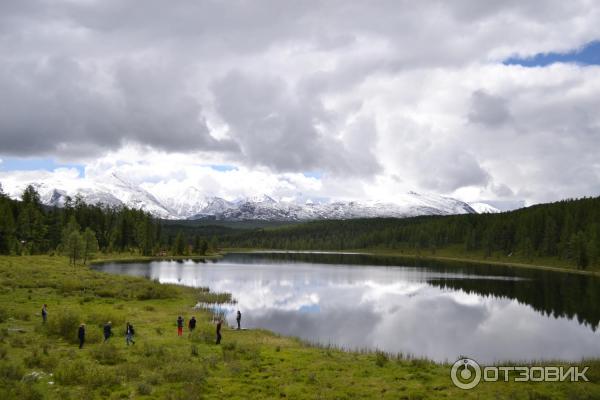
{"x": 81, "y": 335}
{"x": 179, "y": 326}
{"x": 44, "y": 313}
{"x": 192, "y": 324}
{"x": 107, "y": 330}
{"x": 238, "y": 318}
{"x": 219, "y": 323}
{"x": 129, "y": 332}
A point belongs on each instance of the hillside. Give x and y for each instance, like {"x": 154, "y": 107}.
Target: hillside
{"x": 566, "y": 231}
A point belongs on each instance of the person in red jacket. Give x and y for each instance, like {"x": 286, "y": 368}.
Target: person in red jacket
{"x": 179, "y": 326}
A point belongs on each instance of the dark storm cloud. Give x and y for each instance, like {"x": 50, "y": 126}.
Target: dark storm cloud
{"x": 51, "y": 106}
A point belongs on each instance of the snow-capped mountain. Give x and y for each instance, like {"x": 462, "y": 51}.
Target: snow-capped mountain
{"x": 484, "y": 208}
{"x": 191, "y": 203}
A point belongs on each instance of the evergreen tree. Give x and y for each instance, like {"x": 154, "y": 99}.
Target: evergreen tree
{"x": 203, "y": 247}
{"x": 213, "y": 246}
{"x": 30, "y": 196}
{"x": 7, "y": 228}
{"x": 179, "y": 248}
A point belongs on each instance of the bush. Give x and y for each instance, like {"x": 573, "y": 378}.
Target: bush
{"x": 79, "y": 372}
{"x": 203, "y": 335}
{"x": 71, "y": 372}
{"x": 98, "y": 376}
{"x": 18, "y": 341}
{"x": 184, "y": 372}
{"x": 69, "y": 286}
{"x": 33, "y": 360}
{"x": 107, "y": 354}
{"x": 154, "y": 351}
{"x": 11, "y": 371}
{"x": 93, "y": 334}
{"x": 155, "y": 291}
{"x": 40, "y": 360}
{"x": 144, "y": 389}
{"x": 3, "y": 314}
{"x": 65, "y": 324}
{"x": 24, "y": 391}
{"x": 100, "y": 318}
{"x": 234, "y": 351}
{"x": 129, "y": 371}
{"x": 380, "y": 358}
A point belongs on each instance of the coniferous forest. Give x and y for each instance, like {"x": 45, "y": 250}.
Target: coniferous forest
{"x": 77, "y": 230}
{"x": 567, "y": 230}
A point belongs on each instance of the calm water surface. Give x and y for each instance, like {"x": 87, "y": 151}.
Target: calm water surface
{"x": 424, "y": 308}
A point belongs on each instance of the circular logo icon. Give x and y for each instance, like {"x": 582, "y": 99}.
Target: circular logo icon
{"x": 465, "y": 373}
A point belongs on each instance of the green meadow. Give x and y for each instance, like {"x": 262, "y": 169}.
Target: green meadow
{"x": 39, "y": 361}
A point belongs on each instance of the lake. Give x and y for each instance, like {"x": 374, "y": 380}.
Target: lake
{"x": 424, "y": 308}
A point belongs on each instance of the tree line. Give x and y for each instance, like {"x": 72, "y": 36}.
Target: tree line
{"x": 79, "y": 230}
{"x": 566, "y": 230}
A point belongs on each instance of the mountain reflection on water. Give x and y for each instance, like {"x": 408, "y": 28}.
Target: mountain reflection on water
{"x": 438, "y": 310}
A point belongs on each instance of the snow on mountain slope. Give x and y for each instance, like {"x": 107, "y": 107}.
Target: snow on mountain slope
{"x": 191, "y": 203}
{"x": 484, "y": 208}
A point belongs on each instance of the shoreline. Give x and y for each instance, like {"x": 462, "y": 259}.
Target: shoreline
{"x": 363, "y": 351}
{"x": 391, "y": 253}
{"x": 121, "y": 258}
{"x": 272, "y": 365}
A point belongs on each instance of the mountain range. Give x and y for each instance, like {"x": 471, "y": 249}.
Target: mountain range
{"x": 191, "y": 203}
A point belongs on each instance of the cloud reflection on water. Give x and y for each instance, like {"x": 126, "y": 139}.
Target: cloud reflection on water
{"x": 395, "y": 309}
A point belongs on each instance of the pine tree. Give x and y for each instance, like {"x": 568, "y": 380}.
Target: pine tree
{"x": 179, "y": 248}
{"x": 213, "y": 246}
{"x": 7, "y": 228}
{"x": 203, "y": 247}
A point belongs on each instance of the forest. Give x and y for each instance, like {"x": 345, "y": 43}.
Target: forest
{"x": 566, "y": 230}
{"x": 79, "y": 230}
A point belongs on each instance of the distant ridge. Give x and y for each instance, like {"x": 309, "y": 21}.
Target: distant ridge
{"x": 191, "y": 203}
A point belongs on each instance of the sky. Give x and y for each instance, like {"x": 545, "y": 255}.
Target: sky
{"x": 478, "y": 100}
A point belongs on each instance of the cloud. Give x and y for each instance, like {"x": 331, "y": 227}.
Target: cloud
{"x": 280, "y": 128}
{"x": 379, "y": 98}
{"x": 62, "y": 106}
{"x": 488, "y": 110}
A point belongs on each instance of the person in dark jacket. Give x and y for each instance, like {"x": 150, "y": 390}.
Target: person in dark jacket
{"x": 219, "y": 323}
{"x": 81, "y": 335}
{"x": 192, "y": 324}
{"x": 44, "y": 313}
{"x": 129, "y": 332}
{"x": 179, "y": 326}
{"x": 107, "y": 330}
{"x": 238, "y": 318}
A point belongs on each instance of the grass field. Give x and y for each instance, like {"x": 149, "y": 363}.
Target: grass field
{"x": 43, "y": 361}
